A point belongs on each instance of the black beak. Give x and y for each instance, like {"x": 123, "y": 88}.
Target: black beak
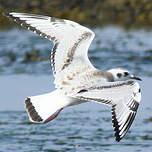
{"x": 136, "y": 78}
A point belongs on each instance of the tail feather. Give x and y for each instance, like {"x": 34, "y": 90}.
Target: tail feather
{"x": 46, "y": 107}
{"x": 34, "y": 116}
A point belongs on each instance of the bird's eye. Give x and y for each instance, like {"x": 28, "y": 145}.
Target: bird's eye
{"x": 119, "y": 75}
{"x": 126, "y": 74}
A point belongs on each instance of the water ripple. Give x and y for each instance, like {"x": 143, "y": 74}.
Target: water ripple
{"x": 85, "y": 134}
{"x": 112, "y": 47}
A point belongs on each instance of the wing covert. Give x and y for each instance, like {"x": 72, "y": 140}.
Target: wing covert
{"x": 71, "y": 42}
{"x": 124, "y": 97}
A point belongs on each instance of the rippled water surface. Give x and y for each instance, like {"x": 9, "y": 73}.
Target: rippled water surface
{"x": 82, "y": 128}
{"x": 74, "y": 130}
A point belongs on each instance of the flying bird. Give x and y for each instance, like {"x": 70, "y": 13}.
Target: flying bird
{"x": 76, "y": 79}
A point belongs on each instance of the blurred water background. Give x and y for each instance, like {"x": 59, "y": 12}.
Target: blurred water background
{"x": 25, "y": 71}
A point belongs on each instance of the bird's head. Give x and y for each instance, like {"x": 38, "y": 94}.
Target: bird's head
{"x": 121, "y": 74}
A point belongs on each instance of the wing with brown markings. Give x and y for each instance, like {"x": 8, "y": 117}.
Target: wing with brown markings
{"x": 71, "y": 42}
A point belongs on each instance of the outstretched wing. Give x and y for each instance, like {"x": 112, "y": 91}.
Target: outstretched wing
{"x": 71, "y": 42}
{"x": 124, "y": 97}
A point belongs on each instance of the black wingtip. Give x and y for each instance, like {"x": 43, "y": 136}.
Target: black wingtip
{"x": 118, "y": 139}
{"x": 115, "y": 124}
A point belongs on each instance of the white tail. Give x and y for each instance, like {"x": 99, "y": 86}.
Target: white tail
{"x": 46, "y": 107}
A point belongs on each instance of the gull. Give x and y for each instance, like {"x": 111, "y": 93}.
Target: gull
{"x": 76, "y": 79}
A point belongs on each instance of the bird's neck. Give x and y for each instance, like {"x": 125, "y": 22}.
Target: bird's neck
{"x": 109, "y": 76}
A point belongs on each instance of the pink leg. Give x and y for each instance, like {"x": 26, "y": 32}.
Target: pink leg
{"x": 53, "y": 116}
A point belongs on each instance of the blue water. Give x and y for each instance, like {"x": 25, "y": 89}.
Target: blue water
{"x": 86, "y": 127}
{"x": 82, "y": 128}
{"x": 111, "y": 47}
